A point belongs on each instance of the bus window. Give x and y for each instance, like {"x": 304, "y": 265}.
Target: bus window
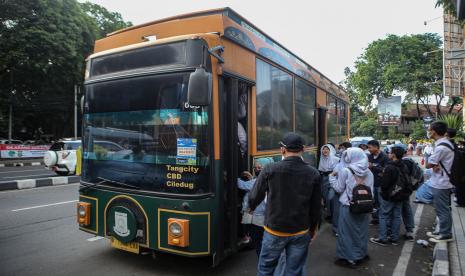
{"x": 305, "y": 111}
{"x": 163, "y": 142}
{"x": 274, "y": 105}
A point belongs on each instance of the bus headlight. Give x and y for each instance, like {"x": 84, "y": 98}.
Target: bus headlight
{"x": 178, "y": 232}
{"x": 175, "y": 229}
{"x": 83, "y": 213}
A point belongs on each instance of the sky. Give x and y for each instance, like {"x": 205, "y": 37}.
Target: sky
{"x": 329, "y": 35}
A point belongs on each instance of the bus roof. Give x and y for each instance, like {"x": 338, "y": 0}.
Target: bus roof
{"x": 243, "y": 32}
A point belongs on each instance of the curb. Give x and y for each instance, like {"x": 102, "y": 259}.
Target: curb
{"x": 441, "y": 260}
{"x": 21, "y": 164}
{"x": 36, "y": 183}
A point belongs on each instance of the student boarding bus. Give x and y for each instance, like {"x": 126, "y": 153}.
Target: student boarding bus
{"x": 174, "y": 94}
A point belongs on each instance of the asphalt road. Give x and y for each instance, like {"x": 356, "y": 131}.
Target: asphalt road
{"x": 45, "y": 240}
{"x": 26, "y": 172}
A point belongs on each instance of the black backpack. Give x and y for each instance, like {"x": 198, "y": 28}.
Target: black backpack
{"x": 403, "y": 187}
{"x": 362, "y": 199}
{"x": 415, "y": 176}
{"x": 457, "y": 171}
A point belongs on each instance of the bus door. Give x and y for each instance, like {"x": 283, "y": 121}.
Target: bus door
{"x": 234, "y": 109}
{"x": 322, "y": 127}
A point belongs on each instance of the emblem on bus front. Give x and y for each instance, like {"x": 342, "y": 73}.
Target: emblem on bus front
{"x": 121, "y": 224}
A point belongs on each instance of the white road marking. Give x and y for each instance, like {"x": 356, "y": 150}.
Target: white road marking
{"x": 25, "y": 171}
{"x": 404, "y": 258}
{"x": 46, "y": 205}
{"x": 96, "y": 238}
{"x": 49, "y": 174}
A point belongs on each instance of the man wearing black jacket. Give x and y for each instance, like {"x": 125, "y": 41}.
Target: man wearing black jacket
{"x": 293, "y": 193}
{"x": 394, "y": 179}
{"x": 377, "y": 160}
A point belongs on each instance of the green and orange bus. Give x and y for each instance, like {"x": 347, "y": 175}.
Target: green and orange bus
{"x": 172, "y": 96}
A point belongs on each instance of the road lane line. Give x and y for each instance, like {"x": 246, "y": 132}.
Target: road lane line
{"x": 26, "y": 171}
{"x": 96, "y": 238}
{"x": 49, "y": 174}
{"x": 404, "y": 258}
{"x": 46, "y": 205}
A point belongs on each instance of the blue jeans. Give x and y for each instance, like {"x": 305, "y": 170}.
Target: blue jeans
{"x": 389, "y": 218}
{"x": 335, "y": 206}
{"x": 407, "y": 216}
{"x": 296, "y": 248}
{"x": 325, "y": 193}
{"x": 441, "y": 203}
{"x": 376, "y": 191}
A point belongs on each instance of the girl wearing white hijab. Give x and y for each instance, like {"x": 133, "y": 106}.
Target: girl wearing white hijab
{"x": 328, "y": 162}
{"x": 352, "y": 243}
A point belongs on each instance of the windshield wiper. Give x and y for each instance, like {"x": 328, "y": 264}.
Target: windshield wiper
{"x": 114, "y": 182}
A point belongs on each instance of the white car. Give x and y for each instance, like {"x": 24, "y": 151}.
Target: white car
{"x": 61, "y": 157}
{"x": 13, "y": 142}
{"x": 361, "y": 138}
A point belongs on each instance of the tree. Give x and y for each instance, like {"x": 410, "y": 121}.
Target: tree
{"x": 43, "y": 44}
{"x": 418, "y": 131}
{"x": 106, "y": 21}
{"x": 398, "y": 63}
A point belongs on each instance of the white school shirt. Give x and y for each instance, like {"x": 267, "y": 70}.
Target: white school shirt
{"x": 441, "y": 153}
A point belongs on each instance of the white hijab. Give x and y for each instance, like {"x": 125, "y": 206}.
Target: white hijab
{"x": 357, "y": 160}
{"x": 327, "y": 163}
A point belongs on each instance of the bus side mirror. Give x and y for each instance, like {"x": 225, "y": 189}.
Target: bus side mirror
{"x": 200, "y": 88}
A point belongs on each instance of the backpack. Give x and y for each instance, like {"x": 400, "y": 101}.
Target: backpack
{"x": 403, "y": 187}
{"x": 362, "y": 199}
{"x": 457, "y": 171}
{"x": 415, "y": 176}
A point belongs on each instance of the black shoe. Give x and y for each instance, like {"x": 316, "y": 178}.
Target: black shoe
{"x": 393, "y": 242}
{"x": 346, "y": 263}
{"x": 363, "y": 260}
{"x": 378, "y": 241}
{"x": 409, "y": 237}
{"x": 441, "y": 238}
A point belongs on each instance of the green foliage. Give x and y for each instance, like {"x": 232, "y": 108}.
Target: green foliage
{"x": 106, "y": 21}
{"x": 454, "y": 121}
{"x": 43, "y": 45}
{"x": 394, "y": 134}
{"x": 418, "y": 131}
{"x": 397, "y": 63}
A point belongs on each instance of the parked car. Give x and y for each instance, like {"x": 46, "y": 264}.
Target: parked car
{"x": 61, "y": 157}
{"x": 12, "y": 142}
{"x": 361, "y": 139}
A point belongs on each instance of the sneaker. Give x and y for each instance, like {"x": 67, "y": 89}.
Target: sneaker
{"x": 346, "y": 263}
{"x": 393, "y": 242}
{"x": 379, "y": 241}
{"x": 441, "y": 238}
{"x": 409, "y": 237}
{"x": 244, "y": 240}
{"x": 432, "y": 234}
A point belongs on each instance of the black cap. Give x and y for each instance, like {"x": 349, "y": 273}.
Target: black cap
{"x": 292, "y": 141}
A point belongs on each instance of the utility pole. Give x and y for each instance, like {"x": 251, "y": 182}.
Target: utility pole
{"x": 75, "y": 111}
{"x": 10, "y": 124}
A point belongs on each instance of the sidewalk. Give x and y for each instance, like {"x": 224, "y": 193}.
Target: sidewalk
{"x": 457, "y": 247}
{"x": 40, "y": 182}
{"x": 21, "y": 162}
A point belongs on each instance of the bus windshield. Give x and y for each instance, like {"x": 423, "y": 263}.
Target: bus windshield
{"x": 160, "y": 142}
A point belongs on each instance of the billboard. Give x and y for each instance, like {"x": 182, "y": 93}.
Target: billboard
{"x": 20, "y": 151}
{"x": 389, "y": 111}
